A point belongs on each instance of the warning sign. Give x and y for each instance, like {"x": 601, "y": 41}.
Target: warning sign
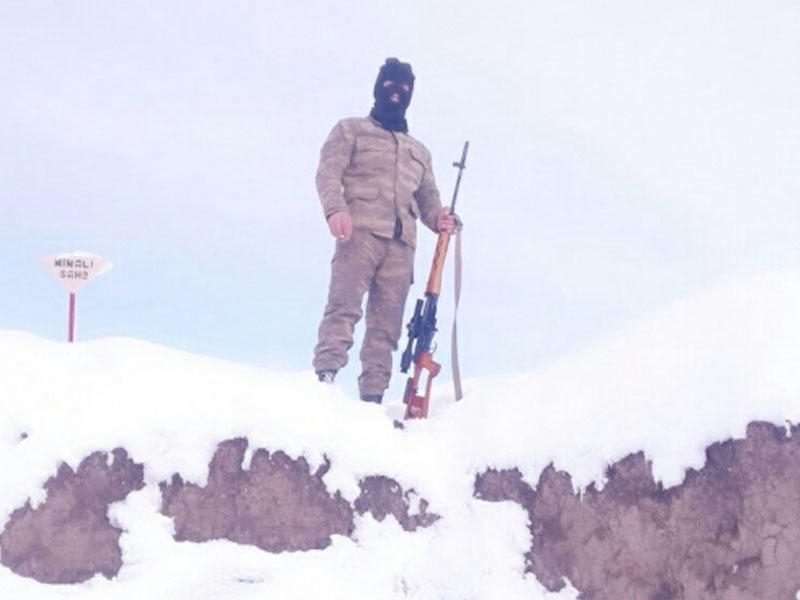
{"x": 76, "y": 268}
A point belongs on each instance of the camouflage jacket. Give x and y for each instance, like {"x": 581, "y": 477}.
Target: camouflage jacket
{"x": 379, "y": 177}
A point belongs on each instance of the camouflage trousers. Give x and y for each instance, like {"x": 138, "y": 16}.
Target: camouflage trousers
{"x": 383, "y": 269}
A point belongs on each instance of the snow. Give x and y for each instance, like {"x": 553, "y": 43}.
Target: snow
{"x": 695, "y": 372}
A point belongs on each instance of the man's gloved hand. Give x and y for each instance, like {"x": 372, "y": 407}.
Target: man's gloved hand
{"x": 449, "y": 223}
{"x": 341, "y": 225}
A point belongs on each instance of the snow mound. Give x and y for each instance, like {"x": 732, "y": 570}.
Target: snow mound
{"x": 696, "y": 372}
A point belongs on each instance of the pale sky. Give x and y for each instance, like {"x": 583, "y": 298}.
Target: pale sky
{"x": 623, "y": 155}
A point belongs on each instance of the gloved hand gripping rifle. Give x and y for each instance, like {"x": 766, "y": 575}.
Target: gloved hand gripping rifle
{"x": 422, "y": 326}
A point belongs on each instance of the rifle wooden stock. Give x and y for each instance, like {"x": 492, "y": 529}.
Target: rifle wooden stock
{"x": 435, "y": 278}
{"x": 440, "y": 253}
{"x": 416, "y": 404}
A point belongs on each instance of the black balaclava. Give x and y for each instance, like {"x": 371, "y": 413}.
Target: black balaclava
{"x": 391, "y": 115}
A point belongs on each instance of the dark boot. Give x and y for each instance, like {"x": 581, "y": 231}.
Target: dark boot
{"x": 327, "y": 375}
{"x": 375, "y": 398}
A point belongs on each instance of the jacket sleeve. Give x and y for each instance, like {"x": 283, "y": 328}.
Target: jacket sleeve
{"x": 334, "y": 158}
{"x": 427, "y": 195}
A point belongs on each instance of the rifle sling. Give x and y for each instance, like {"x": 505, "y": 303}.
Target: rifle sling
{"x": 454, "y": 366}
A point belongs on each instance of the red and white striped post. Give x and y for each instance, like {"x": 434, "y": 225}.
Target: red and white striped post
{"x": 74, "y": 269}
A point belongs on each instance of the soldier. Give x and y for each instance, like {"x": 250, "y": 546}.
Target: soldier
{"x": 374, "y": 181}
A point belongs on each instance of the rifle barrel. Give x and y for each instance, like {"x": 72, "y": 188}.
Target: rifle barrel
{"x": 460, "y": 165}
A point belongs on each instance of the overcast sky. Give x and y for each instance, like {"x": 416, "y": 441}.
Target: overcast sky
{"x": 623, "y": 155}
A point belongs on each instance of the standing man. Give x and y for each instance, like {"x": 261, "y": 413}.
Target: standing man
{"x": 374, "y": 181}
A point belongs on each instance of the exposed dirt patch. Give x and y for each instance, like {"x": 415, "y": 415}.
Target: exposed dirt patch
{"x": 68, "y": 538}
{"x": 731, "y": 531}
{"x": 382, "y": 496}
{"x": 278, "y": 504}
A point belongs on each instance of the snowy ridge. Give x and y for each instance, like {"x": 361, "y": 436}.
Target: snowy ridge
{"x": 692, "y": 373}
{"x": 695, "y": 372}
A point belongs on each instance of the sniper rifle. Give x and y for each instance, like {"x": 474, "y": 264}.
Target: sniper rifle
{"x": 422, "y": 326}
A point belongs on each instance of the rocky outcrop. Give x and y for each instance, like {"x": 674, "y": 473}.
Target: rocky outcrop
{"x": 731, "y": 531}
{"x": 69, "y": 538}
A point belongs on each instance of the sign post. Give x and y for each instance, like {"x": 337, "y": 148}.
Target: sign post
{"x": 74, "y": 269}
{"x": 71, "y": 326}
